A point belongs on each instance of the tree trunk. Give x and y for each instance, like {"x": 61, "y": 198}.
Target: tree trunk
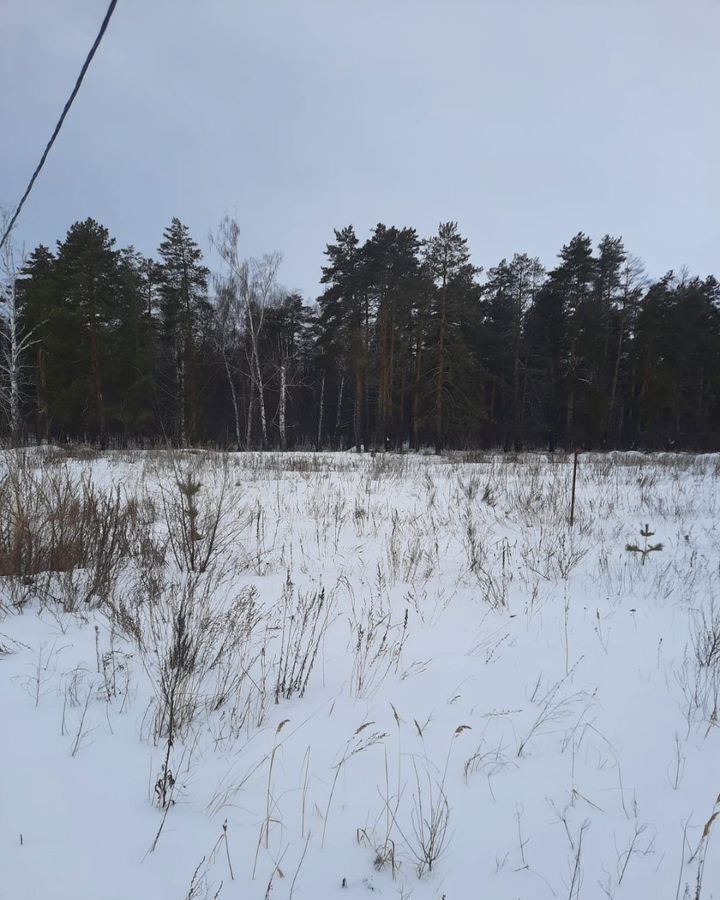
{"x": 366, "y": 380}
{"x": 440, "y": 382}
{"x": 321, "y": 411}
{"x": 14, "y": 368}
{"x": 416, "y": 395}
{"x": 570, "y": 410}
{"x": 338, "y": 415}
{"x": 390, "y": 384}
{"x": 382, "y": 372}
{"x": 248, "y": 424}
{"x": 281, "y": 408}
{"x": 616, "y": 373}
{"x": 192, "y": 412}
{"x": 359, "y": 399}
{"x": 188, "y": 393}
{"x": 180, "y": 375}
{"x": 43, "y": 416}
{"x": 400, "y": 434}
{"x": 516, "y": 387}
{"x": 261, "y": 399}
{"x": 233, "y": 397}
{"x": 96, "y": 376}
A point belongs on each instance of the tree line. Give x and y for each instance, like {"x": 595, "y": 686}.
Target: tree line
{"x": 408, "y": 345}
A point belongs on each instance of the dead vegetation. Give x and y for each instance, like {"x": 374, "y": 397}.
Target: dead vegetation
{"x": 223, "y": 581}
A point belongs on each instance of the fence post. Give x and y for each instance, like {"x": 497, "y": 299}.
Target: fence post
{"x": 572, "y": 502}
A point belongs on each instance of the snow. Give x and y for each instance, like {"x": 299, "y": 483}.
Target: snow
{"x": 532, "y": 677}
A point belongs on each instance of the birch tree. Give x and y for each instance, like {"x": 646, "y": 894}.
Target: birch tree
{"x": 227, "y": 336}
{"x": 290, "y": 328}
{"x": 16, "y": 341}
{"x": 251, "y": 287}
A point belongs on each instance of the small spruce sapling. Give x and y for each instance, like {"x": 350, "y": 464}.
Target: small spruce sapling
{"x": 647, "y": 548}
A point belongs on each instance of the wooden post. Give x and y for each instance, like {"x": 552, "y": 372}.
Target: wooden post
{"x": 572, "y": 502}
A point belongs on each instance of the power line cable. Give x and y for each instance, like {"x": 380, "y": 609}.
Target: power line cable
{"x": 66, "y": 109}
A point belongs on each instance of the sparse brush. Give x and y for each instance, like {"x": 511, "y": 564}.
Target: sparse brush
{"x": 428, "y": 836}
{"x": 377, "y": 645}
{"x": 200, "y": 887}
{"x": 360, "y": 741}
{"x": 554, "y": 707}
{"x": 304, "y": 620}
{"x": 488, "y": 762}
{"x": 699, "y": 856}
{"x": 198, "y": 527}
{"x": 269, "y": 798}
{"x": 61, "y": 537}
{"x": 471, "y": 540}
{"x": 201, "y": 654}
{"x": 430, "y": 815}
{"x": 699, "y": 675}
{"x": 705, "y": 633}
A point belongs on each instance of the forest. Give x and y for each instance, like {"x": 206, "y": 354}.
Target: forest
{"x": 408, "y": 345}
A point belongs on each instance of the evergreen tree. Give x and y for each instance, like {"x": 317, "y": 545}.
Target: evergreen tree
{"x": 345, "y": 322}
{"x": 601, "y": 320}
{"x": 404, "y": 344}
{"x": 132, "y": 377}
{"x": 87, "y": 279}
{"x": 510, "y": 290}
{"x": 446, "y": 258}
{"x": 623, "y": 355}
{"x": 392, "y": 271}
{"x": 678, "y": 348}
{"x": 36, "y": 295}
{"x": 184, "y": 311}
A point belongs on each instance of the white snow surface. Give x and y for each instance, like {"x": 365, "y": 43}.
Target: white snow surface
{"x": 536, "y": 684}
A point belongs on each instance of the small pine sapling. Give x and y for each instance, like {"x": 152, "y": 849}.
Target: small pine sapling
{"x": 647, "y": 548}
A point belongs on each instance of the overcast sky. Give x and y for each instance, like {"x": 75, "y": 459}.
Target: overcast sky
{"x": 524, "y": 120}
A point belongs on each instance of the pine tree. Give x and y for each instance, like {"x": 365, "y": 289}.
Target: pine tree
{"x": 132, "y": 381}
{"x": 184, "y": 308}
{"x": 677, "y": 344}
{"x": 600, "y": 322}
{"x": 392, "y": 272}
{"x": 446, "y": 258}
{"x": 404, "y": 344}
{"x": 574, "y": 279}
{"x": 344, "y": 320}
{"x": 87, "y": 279}
{"x": 510, "y": 290}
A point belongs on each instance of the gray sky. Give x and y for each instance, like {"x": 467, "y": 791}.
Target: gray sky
{"x": 524, "y": 120}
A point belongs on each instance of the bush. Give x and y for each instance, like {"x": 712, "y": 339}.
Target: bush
{"x": 52, "y": 521}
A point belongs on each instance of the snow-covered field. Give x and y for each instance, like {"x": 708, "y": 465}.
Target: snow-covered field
{"x": 399, "y": 676}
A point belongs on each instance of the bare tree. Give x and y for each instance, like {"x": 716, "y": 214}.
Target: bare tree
{"x": 15, "y": 340}
{"x": 258, "y": 291}
{"x": 289, "y": 325}
{"x": 228, "y": 329}
{"x": 281, "y": 406}
{"x": 250, "y": 286}
{"x": 286, "y": 366}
